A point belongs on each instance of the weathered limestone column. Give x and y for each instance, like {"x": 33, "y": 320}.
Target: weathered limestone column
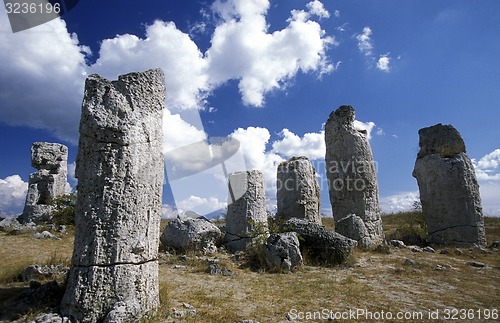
{"x": 352, "y": 179}
{"x": 298, "y": 194}
{"x": 48, "y": 182}
{"x": 246, "y": 217}
{"x": 449, "y": 191}
{"x": 114, "y": 273}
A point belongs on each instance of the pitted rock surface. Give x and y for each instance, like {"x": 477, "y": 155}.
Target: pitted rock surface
{"x": 352, "y": 178}
{"x": 282, "y": 252}
{"x": 119, "y": 166}
{"x": 246, "y": 217}
{"x": 298, "y": 194}
{"x": 449, "y": 191}
{"x": 47, "y": 183}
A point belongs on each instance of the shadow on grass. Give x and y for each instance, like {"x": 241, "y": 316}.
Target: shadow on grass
{"x": 25, "y": 301}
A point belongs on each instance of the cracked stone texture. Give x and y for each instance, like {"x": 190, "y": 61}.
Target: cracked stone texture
{"x": 246, "y": 217}
{"x": 352, "y": 177}
{"x": 449, "y": 191}
{"x": 353, "y": 226}
{"x": 298, "y": 194}
{"x": 119, "y": 166}
{"x": 282, "y": 252}
{"x": 48, "y": 182}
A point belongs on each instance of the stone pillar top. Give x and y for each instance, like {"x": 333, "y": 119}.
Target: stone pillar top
{"x": 440, "y": 139}
{"x": 46, "y": 155}
{"x": 344, "y": 117}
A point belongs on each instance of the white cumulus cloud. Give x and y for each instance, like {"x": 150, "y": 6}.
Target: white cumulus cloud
{"x": 365, "y": 43}
{"x": 12, "y": 195}
{"x": 44, "y": 68}
{"x": 253, "y": 142}
{"x": 243, "y": 49}
{"x": 200, "y": 205}
{"x": 488, "y": 175}
{"x": 383, "y": 63}
{"x": 400, "y": 202}
{"x": 367, "y": 48}
{"x": 178, "y": 133}
{"x": 167, "y": 212}
{"x": 311, "y": 145}
{"x": 317, "y": 8}
{"x": 487, "y": 167}
{"x": 366, "y": 126}
{"x": 165, "y": 47}
{"x": 41, "y": 83}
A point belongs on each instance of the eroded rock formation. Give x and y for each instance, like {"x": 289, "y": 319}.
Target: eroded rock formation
{"x": 48, "y": 182}
{"x": 319, "y": 245}
{"x": 114, "y": 272}
{"x": 298, "y": 194}
{"x": 352, "y": 179}
{"x": 246, "y": 217}
{"x": 449, "y": 191}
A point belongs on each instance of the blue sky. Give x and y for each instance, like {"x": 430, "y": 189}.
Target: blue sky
{"x": 267, "y": 73}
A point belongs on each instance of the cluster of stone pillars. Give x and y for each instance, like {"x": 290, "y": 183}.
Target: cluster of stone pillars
{"x": 114, "y": 274}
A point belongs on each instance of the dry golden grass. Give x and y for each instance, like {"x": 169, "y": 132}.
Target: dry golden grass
{"x": 17, "y": 253}
{"x": 375, "y": 282}
{"x": 20, "y": 251}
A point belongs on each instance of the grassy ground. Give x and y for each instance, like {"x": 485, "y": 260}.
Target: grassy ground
{"x": 376, "y": 282}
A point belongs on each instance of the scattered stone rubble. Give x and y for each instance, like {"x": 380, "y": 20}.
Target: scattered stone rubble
{"x": 192, "y": 235}
{"x": 48, "y": 182}
{"x": 298, "y": 194}
{"x": 449, "y": 191}
{"x": 114, "y": 273}
{"x": 352, "y": 179}
{"x": 246, "y": 218}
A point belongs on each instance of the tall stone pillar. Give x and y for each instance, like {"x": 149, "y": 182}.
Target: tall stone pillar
{"x": 246, "y": 217}
{"x": 47, "y": 183}
{"x": 352, "y": 179}
{"x": 449, "y": 191}
{"x": 114, "y": 272}
{"x": 298, "y": 194}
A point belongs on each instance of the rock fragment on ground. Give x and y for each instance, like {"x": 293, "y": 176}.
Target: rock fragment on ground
{"x": 192, "y": 235}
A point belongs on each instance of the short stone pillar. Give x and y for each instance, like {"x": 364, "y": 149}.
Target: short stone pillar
{"x": 298, "y": 194}
{"x": 246, "y": 218}
{"x": 47, "y": 183}
{"x": 449, "y": 191}
{"x": 114, "y": 272}
{"x": 352, "y": 179}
